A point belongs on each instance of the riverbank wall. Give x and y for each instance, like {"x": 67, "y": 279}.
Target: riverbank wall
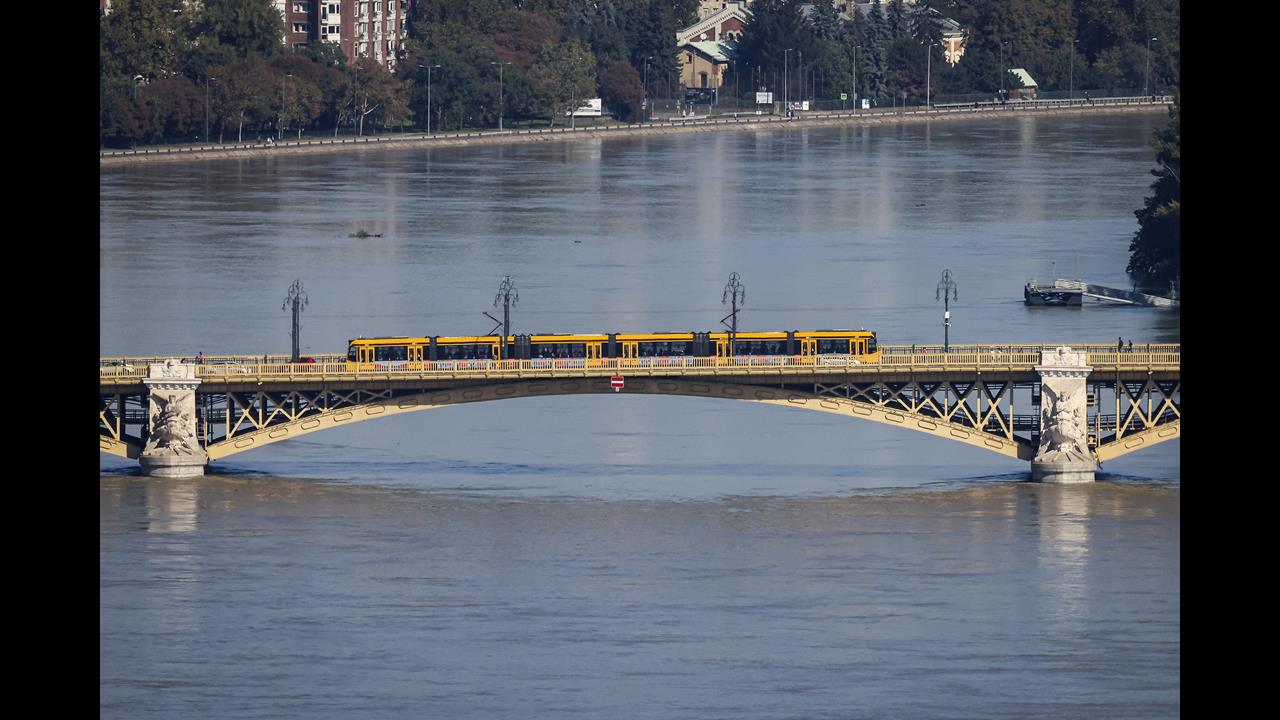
{"x": 754, "y": 123}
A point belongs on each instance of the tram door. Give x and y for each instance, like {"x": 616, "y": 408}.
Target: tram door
{"x": 593, "y": 354}
{"x": 630, "y": 351}
{"x": 415, "y": 354}
{"x": 722, "y": 351}
{"x": 808, "y": 347}
{"x": 495, "y": 350}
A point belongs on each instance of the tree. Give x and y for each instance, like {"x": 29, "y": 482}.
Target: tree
{"x": 897, "y": 24}
{"x": 1155, "y": 251}
{"x": 242, "y": 94}
{"x": 565, "y": 75}
{"x": 874, "y": 70}
{"x": 143, "y": 37}
{"x": 376, "y": 92}
{"x": 246, "y": 26}
{"x": 621, "y": 89}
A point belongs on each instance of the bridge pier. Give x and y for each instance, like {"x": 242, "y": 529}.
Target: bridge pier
{"x": 172, "y": 449}
{"x": 1064, "y": 455}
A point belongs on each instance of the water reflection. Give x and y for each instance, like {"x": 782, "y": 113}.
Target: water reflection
{"x": 172, "y": 506}
{"x": 1065, "y": 514}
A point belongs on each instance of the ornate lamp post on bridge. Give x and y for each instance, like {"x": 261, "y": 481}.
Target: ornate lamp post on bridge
{"x": 734, "y": 292}
{"x": 297, "y": 300}
{"x": 946, "y": 293}
{"x": 508, "y": 296}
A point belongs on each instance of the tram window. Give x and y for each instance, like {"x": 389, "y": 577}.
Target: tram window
{"x": 758, "y": 347}
{"x": 351, "y": 353}
{"x": 389, "y": 353}
{"x": 871, "y": 344}
{"x": 840, "y": 346}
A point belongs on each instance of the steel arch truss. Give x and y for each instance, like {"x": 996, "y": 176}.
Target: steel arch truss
{"x": 115, "y": 413}
{"x": 1147, "y": 412}
{"x": 978, "y": 414}
{"x": 980, "y": 407}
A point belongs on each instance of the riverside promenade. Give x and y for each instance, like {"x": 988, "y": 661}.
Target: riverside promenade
{"x": 738, "y": 122}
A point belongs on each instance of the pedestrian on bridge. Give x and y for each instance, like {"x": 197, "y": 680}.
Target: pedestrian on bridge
{"x": 1130, "y": 344}
{"x": 1119, "y": 344}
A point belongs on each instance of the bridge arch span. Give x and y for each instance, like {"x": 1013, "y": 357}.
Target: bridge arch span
{"x": 1009, "y": 446}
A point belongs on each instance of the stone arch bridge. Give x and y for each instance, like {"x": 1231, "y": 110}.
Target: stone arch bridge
{"x": 1064, "y": 408}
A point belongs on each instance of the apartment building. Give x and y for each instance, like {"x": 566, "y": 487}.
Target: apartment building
{"x": 361, "y": 28}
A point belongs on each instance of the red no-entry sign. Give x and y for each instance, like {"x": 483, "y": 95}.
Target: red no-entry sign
{"x": 616, "y": 382}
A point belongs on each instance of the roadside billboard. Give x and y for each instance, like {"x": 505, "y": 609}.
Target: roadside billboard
{"x": 592, "y": 108}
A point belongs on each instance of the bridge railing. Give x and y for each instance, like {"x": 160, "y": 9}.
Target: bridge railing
{"x": 909, "y": 358}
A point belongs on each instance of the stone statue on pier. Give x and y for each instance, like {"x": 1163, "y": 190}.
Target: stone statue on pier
{"x": 1061, "y": 439}
{"x": 173, "y": 431}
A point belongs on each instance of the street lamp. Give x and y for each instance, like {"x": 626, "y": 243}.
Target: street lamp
{"x": 855, "y": 79}
{"x": 646, "y": 88}
{"x": 207, "y": 78}
{"x": 928, "y": 83}
{"x": 1002, "y": 44}
{"x": 500, "y": 105}
{"x": 136, "y": 78}
{"x": 428, "y": 69}
{"x": 280, "y": 119}
{"x": 786, "y": 94}
{"x": 1071, "y": 79}
{"x": 1146, "y": 80}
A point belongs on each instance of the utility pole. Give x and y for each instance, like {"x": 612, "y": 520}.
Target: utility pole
{"x": 946, "y": 293}
{"x": 297, "y": 300}
{"x": 508, "y": 296}
{"x": 734, "y": 292}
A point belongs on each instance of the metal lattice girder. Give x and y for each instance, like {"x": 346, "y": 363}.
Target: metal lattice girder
{"x": 934, "y": 399}
{"x": 1138, "y": 409}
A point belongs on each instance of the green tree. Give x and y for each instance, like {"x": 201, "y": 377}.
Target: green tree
{"x": 1155, "y": 251}
{"x": 143, "y": 37}
{"x": 565, "y": 75}
{"x": 376, "y": 94}
{"x": 246, "y": 26}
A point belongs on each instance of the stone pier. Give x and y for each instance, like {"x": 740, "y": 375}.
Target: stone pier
{"x": 1064, "y": 455}
{"x": 172, "y": 448}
